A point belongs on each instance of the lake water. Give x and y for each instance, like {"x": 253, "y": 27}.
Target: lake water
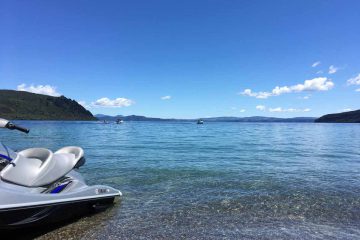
{"x": 213, "y": 181}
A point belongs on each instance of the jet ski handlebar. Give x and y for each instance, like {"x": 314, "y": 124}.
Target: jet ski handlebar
{"x": 12, "y": 126}
{"x": 9, "y": 125}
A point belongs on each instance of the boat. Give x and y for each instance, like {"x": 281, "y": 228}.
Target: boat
{"x": 200, "y": 121}
{"x": 119, "y": 121}
{"x": 39, "y": 187}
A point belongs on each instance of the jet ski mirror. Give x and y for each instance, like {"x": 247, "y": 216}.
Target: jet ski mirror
{"x": 9, "y": 125}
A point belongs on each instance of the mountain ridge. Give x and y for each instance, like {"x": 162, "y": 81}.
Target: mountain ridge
{"x": 213, "y": 119}
{"x": 343, "y": 117}
{"x": 21, "y": 105}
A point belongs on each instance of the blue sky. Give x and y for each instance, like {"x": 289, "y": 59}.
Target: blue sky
{"x": 186, "y": 59}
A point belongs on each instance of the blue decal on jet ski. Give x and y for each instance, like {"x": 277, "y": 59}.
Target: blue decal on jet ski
{"x": 59, "y": 188}
{"x": 6, "y": 157}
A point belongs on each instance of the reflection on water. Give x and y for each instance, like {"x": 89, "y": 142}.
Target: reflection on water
{"x": 217, "y": 180}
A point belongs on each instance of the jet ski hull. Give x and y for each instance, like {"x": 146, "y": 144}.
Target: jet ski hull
{"x": 40, "y": 188}
{"x": 47, "y": 214}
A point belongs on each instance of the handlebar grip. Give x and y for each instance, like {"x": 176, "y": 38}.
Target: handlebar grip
{"x": 21, "y": 129}
{"x": 14, "y": 127}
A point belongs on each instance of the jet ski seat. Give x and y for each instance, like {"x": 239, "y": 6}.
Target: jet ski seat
{"x": 36, "y": 167}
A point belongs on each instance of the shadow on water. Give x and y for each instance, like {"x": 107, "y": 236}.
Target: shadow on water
{"x": 64, "y": 229}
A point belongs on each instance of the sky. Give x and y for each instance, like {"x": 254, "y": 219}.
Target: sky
{"x": 186, "y": 59}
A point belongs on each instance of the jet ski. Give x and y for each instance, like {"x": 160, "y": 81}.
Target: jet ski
{"x": 40, "y": 187}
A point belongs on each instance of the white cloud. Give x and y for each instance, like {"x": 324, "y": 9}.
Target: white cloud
{"x": 84, "y": 104}
{"x": 315, "y": 64}
{"x": 260, "y": 107}
{"x": 306, "y": 97}
{"x": 240, "y": 110}
{"x": 320, "y": 72}
{"x": 347, "y": 109}
{"x": 315, "y": 84}
{"x": 248, "y": 92}
{"x": 165, "y": 97}
{"x": 39, "y": 89}
{"x": 279, "y": 109}
{"x": 333, "y": 69}
{"x": 357, "y": 90}
{"x": 354, "y": 81}
{"x": 118, "y": 102}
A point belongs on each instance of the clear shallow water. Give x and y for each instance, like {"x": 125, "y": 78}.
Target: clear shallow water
{"x": 217, "y": 180}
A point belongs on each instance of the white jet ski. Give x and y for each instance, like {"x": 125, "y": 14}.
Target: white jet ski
{"x": 40, "y": 187}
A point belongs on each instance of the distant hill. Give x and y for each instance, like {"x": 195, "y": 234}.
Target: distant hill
{"x": 131, "y": 118}
{"x": 20, "y": 105}
{"x": 215, "y": 119}
{"x": 344, "y": 117}
{"x": 259, "y": 119}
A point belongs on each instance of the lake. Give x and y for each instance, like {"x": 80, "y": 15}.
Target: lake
{"x": 213, "y": 181}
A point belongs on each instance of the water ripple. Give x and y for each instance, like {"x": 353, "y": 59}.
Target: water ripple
{"x": 215, "y": 181}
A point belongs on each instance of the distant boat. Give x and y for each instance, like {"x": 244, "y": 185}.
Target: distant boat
{"x": 119, "y": 121}
{"x": 200, "y": 121}
{"x": 105, "y": 122}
